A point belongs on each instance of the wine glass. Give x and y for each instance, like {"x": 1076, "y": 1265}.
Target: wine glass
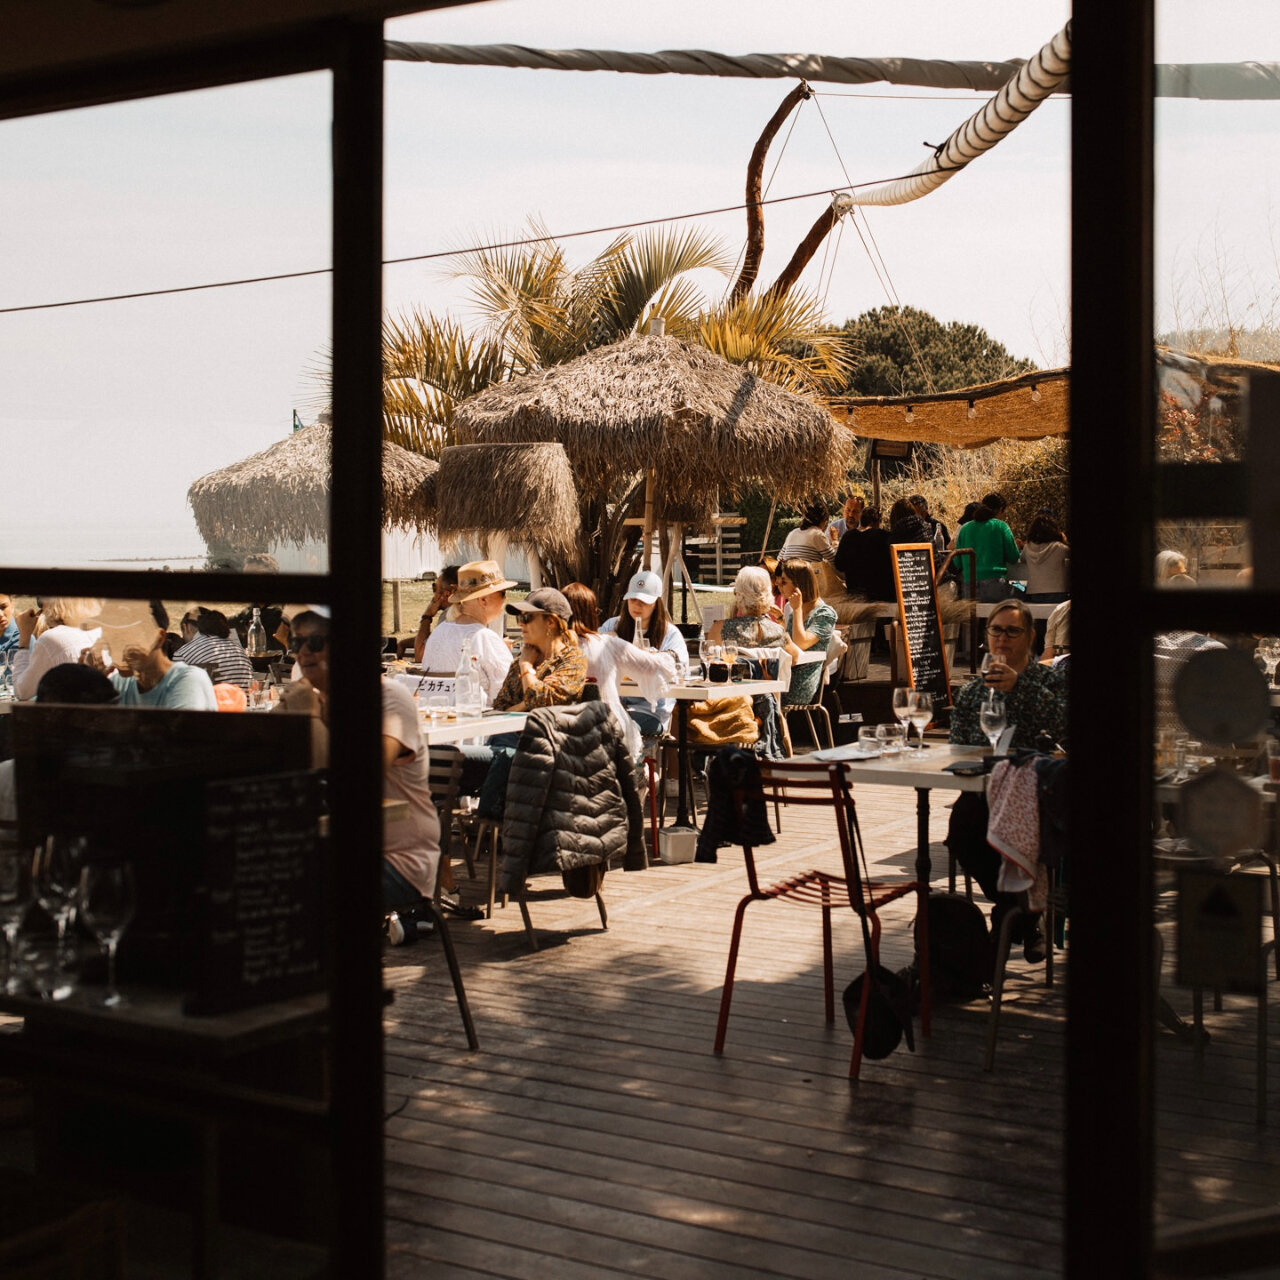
{"x": 920, "y": 713}
{"x": 107, "y": 904}
{"x": 992, "y": 717}
{"x": 55, "y": 872}
{"x": 901, "y": 700}
{"x": 15, "y": 897}
{"x": 1269, "y": 651}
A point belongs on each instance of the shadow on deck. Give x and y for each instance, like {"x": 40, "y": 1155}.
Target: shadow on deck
{"x": 595, "y": 1134}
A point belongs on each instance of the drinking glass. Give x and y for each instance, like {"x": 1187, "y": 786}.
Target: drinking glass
{"x": 992, "y": 717}
{"x": 900, "y": 700}
{"x": 107, "y": 904}
{"x": 56, "y": 874}
{"x": 920, "y": 713}
{"x": 730, "y": 652}
{"x": 868, "y": 739}
{"x": 15, "y": 897}
{"x": 891, "y": 737}
{"x": 1269, "y": 650}
{"x": 438, "y": 707}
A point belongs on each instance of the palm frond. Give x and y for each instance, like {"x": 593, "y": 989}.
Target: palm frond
{"x": 650, "y": 263}
{"x": 785, "y": 340}
{"x": 430, "y": 364}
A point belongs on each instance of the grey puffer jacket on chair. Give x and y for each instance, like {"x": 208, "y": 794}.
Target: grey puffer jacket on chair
{"x": 572, "y": 798}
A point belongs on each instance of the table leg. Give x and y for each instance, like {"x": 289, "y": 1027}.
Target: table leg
{"x": 682, "y": 750}
{"x": 924, "y": 870}
{"x": 924, "y": 865}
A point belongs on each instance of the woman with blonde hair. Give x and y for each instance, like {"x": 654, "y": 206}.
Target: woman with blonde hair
{"x": 64, "y": 639}
{"x": 752, "y": 624}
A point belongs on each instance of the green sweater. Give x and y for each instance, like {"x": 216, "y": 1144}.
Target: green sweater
{"x": 993, "y": 541}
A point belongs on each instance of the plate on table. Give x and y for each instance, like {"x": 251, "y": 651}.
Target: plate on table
{"x": 850, "y": 751}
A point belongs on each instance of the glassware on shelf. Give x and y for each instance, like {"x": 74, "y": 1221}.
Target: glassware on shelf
{"x": 107, "y": 904}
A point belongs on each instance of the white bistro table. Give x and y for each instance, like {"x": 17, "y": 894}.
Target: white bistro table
{"x": 465, "y": 727}
{"x": 924, "y": 770}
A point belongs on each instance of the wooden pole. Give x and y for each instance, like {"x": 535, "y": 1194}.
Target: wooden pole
{"x": 649, "y": 481}
{"x": 395, "y": 607}
{"x": 875, "y": 484}
{"x": 768, "y": 528}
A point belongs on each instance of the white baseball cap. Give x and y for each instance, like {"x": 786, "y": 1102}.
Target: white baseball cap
{"x": 646, "y": 586}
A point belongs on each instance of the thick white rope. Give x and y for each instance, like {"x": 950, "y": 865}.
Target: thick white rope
{"x": 1204, "y": 80}
{"x": 1037, "y": 80}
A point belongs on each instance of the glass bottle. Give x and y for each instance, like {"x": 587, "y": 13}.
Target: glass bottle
{"x": 256, "y": 638}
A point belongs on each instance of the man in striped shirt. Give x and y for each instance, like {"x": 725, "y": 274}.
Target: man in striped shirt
{"x": 210, "y": 644}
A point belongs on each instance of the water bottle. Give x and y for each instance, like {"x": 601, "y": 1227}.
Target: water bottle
{"x": 939, "y": 543}
{"x": 256, "y": 639}
{"x": 467, "y": 697}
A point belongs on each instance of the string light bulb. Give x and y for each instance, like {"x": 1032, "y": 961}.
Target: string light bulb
{"x": 973, "y": 411}
{"x": 1035, "y": 394}
{"x": 911, "y": 414}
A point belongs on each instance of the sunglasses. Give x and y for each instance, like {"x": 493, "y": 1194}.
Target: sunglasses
{"x": 314, "y": 644}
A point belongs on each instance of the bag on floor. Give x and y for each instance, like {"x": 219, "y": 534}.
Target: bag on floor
{"x": 959, "y": 948}
{"x": 888, "y": 1012}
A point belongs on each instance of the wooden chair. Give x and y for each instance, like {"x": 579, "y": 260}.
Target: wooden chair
{"x": 794, "y": 782}
{"x": 1055, "y": 907}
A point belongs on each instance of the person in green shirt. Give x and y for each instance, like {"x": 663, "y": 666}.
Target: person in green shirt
{"x": 996, "y": 549}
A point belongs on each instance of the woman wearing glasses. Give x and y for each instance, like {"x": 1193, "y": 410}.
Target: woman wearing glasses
{"x": 1035, "y": 702}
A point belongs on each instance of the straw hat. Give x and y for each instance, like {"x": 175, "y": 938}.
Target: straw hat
{"x": 479, "y": 578}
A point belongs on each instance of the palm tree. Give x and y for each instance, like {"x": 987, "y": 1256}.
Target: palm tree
{"x": 537, "y": 311}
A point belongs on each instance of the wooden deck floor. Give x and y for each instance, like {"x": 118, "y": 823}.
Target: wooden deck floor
{"x": 595, "y": 1134}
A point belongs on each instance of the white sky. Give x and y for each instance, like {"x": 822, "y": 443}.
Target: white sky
{"x": 108, "y": 412}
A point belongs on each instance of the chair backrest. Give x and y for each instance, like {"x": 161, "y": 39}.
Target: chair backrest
{"x": 444, "y": 773}
{"x": 809, "y": 783}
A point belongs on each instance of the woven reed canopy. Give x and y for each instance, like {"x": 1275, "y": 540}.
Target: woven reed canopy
{"x": 1029, "y": 407}
{"x": 282, "y": 493}
{"x": 700, "y": 423}
{"x": 523, "y": 492}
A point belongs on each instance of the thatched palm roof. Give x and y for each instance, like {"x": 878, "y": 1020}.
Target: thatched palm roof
{"x": 656, "y": 402}
{"x": 282, "y": 493}
{"x": 524, "y": 492}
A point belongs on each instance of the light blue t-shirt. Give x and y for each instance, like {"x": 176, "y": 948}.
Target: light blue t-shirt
{"x": 9, "y": 638}
{"x": 672, "y": 642}
{"x": 181, "y": 688}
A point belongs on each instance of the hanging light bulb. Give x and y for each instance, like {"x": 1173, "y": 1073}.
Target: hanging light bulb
{"x": 973, "y": 412}
{"x": 1035, "y": 393}
{"x": 911, "y": 414}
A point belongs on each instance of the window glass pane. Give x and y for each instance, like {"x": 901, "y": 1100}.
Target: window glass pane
{"x": 112, "y": 410}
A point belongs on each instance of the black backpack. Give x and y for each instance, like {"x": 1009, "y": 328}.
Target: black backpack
{"x": 959, "y": 948}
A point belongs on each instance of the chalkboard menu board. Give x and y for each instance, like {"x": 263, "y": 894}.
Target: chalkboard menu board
{"x": 260, "y": 913}
{"x": 921, "y": 620}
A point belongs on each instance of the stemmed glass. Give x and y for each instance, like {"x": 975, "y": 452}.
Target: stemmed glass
{"x": 1269, "y": 652}
{"x": 991, "y": 717}
{"x": 56, "y": 873}
{"x": 15, "y": 897}
{"x": 901, "y": 702}
{"x": 920, "y": 713}
{"x": 107, "y": 904}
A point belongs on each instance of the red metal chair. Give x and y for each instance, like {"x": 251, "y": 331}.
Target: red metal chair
{"x": 795, "y": 782}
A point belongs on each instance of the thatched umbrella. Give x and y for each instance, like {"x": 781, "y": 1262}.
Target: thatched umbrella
{"x": 674, "y": 415}
{"x": 282, "y": 493}
{"x": 524, "y": 492}
{"x": 661, "y": 405}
